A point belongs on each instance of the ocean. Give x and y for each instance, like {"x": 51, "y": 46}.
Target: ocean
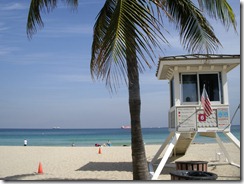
{"x": 90, "y": 137}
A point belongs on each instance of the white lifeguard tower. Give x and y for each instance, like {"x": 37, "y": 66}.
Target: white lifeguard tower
{"x": 187, "y": 75}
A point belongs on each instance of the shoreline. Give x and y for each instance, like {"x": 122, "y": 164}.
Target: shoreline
{"x": 90, "y": 137}
{"x": 89, "y": 146}
{"x": 114, "y": 163}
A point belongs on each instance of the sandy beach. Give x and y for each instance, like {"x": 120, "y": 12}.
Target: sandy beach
{"x": 114, "y": 163}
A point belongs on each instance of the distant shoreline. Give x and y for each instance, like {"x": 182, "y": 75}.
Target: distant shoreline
{"x": 80, "y": 146}
{"x": 60, "y": 128}
{"x": 91, "y": 137}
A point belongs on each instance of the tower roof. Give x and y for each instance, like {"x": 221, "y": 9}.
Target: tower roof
{"x": 207, "y": 61}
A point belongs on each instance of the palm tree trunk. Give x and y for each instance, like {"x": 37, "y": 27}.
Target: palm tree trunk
{"x": 140, "y": 167}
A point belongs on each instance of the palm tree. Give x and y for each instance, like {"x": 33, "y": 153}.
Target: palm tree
{"x": 126, "y": 33}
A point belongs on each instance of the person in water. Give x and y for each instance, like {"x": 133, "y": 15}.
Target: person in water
{"x": 25, "y": 142}
{"x": 108, "y": 143}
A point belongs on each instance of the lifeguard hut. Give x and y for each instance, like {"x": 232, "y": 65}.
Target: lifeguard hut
{"x": 187, "y": 74}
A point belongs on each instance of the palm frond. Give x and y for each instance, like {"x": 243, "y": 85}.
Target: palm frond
{"x": 196, "y": 33}
{"x": 72, "y": 3}
{"x": 219, "y": 9}
{"x": 34, "y": 20}
{"x": 117, "y": 21}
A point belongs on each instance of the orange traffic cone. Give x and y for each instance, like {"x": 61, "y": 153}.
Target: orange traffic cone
{"x": 100, "y": 150}
{"x": 40, "y": 171}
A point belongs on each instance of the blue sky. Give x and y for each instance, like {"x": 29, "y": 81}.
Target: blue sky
{"x": 46, "y": 82}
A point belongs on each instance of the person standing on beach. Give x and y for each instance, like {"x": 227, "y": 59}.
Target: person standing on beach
{"x": 108, "y": 143}
{"x": 25, "y": 142}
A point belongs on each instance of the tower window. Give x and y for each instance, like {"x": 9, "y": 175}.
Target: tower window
{"x": 192, "y": 87}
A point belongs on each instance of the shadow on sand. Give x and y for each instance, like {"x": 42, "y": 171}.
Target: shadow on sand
{"x": 24, "y": 177}
{"x": 107, "y": 166}
{"x": 17, "y": 177}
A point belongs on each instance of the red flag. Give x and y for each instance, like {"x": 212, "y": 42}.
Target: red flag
{"x": 206, "y": 103}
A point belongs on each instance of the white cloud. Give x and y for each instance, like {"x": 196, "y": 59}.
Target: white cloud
{"x": 47, "y": 58}
{"x": 13, "y": 6}
{"x": 3, "y": 27}
{"x": 60, "y": 30}
{"x": 5, "y": 50}
{"x": 71, "y": 77}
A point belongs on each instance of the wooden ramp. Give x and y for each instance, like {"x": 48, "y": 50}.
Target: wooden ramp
{"x": 183, "y": 143}
{"x": 208, "y": 134}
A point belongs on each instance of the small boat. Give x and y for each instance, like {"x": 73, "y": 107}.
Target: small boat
{"x": 126, "y": 127}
